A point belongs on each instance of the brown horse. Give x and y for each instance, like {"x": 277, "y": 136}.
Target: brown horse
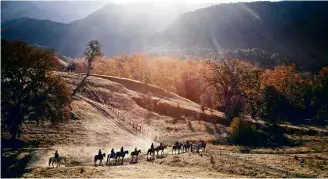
{"x": 120, "y": 155}
{"x": 100, "y": 158}
{"x": 187, "y": 146}
{"x": 151, "y": 152}
{"x": 160, "y": 148}
{"x": 58, "y": 161}
{"x": 135, "y": 154}
{"x": 176, "y": 147}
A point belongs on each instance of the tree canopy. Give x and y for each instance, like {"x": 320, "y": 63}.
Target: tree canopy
{"x": 30, "y": 90}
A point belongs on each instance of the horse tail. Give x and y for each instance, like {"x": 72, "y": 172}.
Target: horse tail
{"x": 49, "y": 161}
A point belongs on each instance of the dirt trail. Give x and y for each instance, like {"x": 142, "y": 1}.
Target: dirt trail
{"x": 98, "y": 127}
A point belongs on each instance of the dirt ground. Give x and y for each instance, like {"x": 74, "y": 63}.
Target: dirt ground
{"x": 97, "y": 127}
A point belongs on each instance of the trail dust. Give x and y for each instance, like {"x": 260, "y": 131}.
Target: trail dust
{"x": 79, "y": 140}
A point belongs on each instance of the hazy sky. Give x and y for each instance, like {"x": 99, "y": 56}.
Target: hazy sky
{"x": 163, "y": 1}
{"x": 184, "y": 1}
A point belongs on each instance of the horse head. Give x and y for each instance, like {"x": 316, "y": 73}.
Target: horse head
{"x": 126, "y": 152}
{"x": 104, "y": 154}
{"x": 139, "y": 151}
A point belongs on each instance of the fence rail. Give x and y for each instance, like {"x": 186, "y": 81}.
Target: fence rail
{"x": 136, "y": 127}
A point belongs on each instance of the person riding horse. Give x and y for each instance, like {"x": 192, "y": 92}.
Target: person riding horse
{"x": 112, "y": 152}
{"x": 152, "y": 147}
{"x": 122, "y": 149}
{"x": 99, "y": 152}
{"x": 56, "y": 155}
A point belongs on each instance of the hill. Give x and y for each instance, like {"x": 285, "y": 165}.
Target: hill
{"x": 111, "y": 112}
{"x": 57, "y": 11}
{"x": 103, "y": 112}
{"x": 294, "y": 31}
{"x": 121, "y": 28}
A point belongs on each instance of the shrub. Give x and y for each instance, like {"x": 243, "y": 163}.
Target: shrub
{"x": 244, "y": 133}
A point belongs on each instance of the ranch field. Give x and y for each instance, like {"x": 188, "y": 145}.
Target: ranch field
{"x": 111, "y": 112}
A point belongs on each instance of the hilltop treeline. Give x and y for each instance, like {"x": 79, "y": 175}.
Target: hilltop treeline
{"x": 233, "y": 86}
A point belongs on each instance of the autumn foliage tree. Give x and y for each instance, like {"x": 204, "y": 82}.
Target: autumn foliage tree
{"x": 230, "y": 85}
{"x": 29, "y": 89}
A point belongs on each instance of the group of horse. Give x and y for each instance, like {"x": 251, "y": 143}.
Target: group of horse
{"x": 177, "y": 148}
{"x": 195, "y": 147}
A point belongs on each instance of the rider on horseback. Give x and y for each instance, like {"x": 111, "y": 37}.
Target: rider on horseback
{"x": 99, "y": 152}
{"x": 56, "y": 155}
{"x": 177, "y": 143}
{"x": 161, "y": 144}
{"x": 152, "y": 146}
{"x": 112, "y": 151}
{"x": 122, "y": 149}
{"x": 135, "y": 150}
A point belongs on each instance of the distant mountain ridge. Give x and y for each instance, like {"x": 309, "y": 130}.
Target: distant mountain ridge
{"x": 297, "y": 29}
{"x": 58, "y": 11}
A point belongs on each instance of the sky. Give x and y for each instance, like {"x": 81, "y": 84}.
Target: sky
{"x": 162, "y": 1}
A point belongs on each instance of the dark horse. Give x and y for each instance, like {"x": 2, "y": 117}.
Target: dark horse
{"x": 203, "y": 145}
{"x": 151, "y": 152}
{"x": 187, "y": 146}
{"x": 120, "y": 155}
{"x": 176, "y": 147}
{"x": 135, "y": 154}
{"x": 58, "y": 161}
{"x": 160, "y": 148}
{"x": 111, "y": 155}
{"x": 199, "y": 148}
{"x": 99, "y": 157}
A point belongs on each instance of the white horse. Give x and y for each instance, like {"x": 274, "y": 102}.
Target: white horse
{"x": 53, "y": 160}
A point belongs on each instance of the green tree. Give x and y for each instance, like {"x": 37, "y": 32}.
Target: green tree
{"x": 92, "y": 51}
{"x": 29, "y": 89}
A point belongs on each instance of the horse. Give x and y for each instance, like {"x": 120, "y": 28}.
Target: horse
{"x": 160, "y": 148}
{"x": 187, "y": 146}
{"x": 194, "y": 147}
{"x": 58, "y": 160}
{"x": 200, "y": 147}
{"x": 136, "y": 154}
{"x": 203, "y": 145}
{"x": 177, "y": 147}
{"x": 111, "y": 155}
{"x": 151, "y": 152}
{"x": 99, "y": 157}
{"x": 121, "y": 155}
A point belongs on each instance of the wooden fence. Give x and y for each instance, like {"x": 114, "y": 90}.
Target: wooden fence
{"x": 135, "y": 125}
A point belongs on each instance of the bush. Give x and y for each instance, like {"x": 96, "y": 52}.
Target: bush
{"x": 244, "y": 133}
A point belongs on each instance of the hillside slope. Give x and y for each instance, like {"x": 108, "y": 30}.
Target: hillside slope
{"x": 295, "y": 29}
{"x": 111, "y": 112}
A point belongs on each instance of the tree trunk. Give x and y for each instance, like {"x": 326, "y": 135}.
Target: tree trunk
{"x": 16, "y": 117}
{"x": 89, "y": 68}
{"x": 13, "y": 131}
{"x": 80, "y": 85}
